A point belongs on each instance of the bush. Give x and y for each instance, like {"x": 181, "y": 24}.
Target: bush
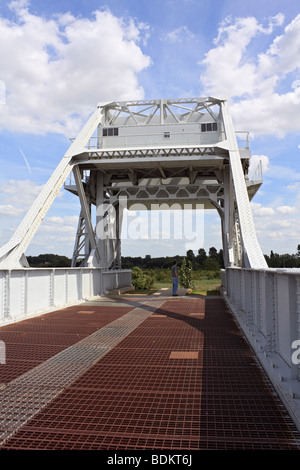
{"x": 211, "y": 264}
{"x": 162, "y": 275}
{"x": 185, "y": 275}
{"x": 141, "y": 280}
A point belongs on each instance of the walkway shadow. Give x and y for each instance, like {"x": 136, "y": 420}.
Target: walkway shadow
{"x": 167, "y": 297}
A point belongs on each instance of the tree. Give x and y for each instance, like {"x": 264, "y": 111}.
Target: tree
{"x": 49, "y": 260}
{"x": 191, "y": 257}
{"x": 185, "y": 274}
{"x": 201, "y": 257}
{"x": 141, "y": 280}
{"x": 213, "y": 252}
{"x": 221, "y": 258}
{"x": 211, "y": 264}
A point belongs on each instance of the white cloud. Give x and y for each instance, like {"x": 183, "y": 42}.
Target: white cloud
{"x": 286, "y": 209}
{"x": 285, "y": 48}
{"x": 55, "y": 235}
{"x": 294, "y": 186}
{"x": 277, "y": 224}
{"x": 9, "y": 210}
{"x": 57, "y": 70}
{"x": 227, "y": 70}
{"x": 260, "y": 211}
{"x": 283, "y": 172}
{"x": 19, "y": 193}
{"x": 257, "y": 160}
{"x": 180, "y": 34}
{"x": 251, "y": 83}
{"x": 17, "y": 196}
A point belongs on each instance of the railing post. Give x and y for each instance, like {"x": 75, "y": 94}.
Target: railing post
{"x": 6, "y": 295}
{"x": 51, "y": 288}
{"x": 2, "y": 295}
{"x": 270, "y": 313}
{"x": 101, "y": 282}
{"x": 273, "y": 312}
{"x": 243, "y": 296}
{"x": 250, "y": 298}
{"x": 24, "y": 293}
{"x": 286, "y": 315}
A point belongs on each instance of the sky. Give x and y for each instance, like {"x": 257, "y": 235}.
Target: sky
{"x": 59, "y": 59}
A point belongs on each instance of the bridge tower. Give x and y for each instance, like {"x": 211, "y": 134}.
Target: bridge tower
{"x": 150, "y": 151}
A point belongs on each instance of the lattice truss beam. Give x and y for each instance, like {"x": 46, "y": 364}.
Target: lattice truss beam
{"x": 183, "y": 151}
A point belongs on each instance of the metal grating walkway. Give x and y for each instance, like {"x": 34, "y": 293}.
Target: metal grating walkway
{"x": 137, "y": 373}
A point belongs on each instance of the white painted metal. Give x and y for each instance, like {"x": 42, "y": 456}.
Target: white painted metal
{"x": 27, "y": 292}
{"x": 253, "y": 256}
{"x": 82, "y": 244}
{"x": 85, "y": 207}
{"x": 144, "y": 149}
{"x": 12, "y": 254}
{"x": 192, "y": 136}
{"x": 266, "y": 305}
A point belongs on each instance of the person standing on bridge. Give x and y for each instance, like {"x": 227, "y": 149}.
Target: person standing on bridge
{"x": 174, "y": 271}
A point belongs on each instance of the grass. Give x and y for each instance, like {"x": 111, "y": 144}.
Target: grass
{"x": 207, "y": 286}
{"x": 205, "y": 282}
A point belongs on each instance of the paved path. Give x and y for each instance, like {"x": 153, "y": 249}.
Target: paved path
{"x": 137, "y": 372}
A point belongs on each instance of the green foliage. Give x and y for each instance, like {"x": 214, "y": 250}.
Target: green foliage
{"x": 161, "y": 266}
{"x": 185, "y": 274}
{"x": 49, "y": 261}
{"x": 211, "y": 264}
{"x": 161, "y": 275}
{"x": 283, "y": 261}
{"x": 165, "y": 262}
{"x": 142, "y": 280}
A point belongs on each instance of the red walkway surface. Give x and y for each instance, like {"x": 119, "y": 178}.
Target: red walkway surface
{"x": 184, "y": 379}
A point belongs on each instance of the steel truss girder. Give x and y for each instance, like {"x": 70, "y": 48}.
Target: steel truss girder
{"x": 142, "y": 111}
{"x": 12, "y": 254}
{"x": 151, "y": 152}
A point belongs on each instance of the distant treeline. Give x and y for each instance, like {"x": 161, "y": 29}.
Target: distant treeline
{"x": 49, "y": 260}
{"x": 213, "y": 260}
{"x": 283, "y": 261}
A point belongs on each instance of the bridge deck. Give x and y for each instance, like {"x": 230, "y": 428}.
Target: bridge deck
{"x": 137, "y": 372}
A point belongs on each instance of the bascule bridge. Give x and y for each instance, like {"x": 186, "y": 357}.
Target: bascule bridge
{"x": 172, "y": 152}
{"x": 161, "y": 152}
{"x": 167, "y": 151}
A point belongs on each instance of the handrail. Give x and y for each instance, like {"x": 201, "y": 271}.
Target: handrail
{"x": 266, "y": 305}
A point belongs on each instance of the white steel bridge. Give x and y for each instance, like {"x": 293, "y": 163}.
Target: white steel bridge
{"x": 166, "y": 151}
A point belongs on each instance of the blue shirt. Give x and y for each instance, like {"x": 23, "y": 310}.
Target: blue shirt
{"x": 174, "y": 271}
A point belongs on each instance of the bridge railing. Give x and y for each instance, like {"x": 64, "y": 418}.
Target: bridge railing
{"x": 27, "y": 292}
{"x": 266, "y": 305}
